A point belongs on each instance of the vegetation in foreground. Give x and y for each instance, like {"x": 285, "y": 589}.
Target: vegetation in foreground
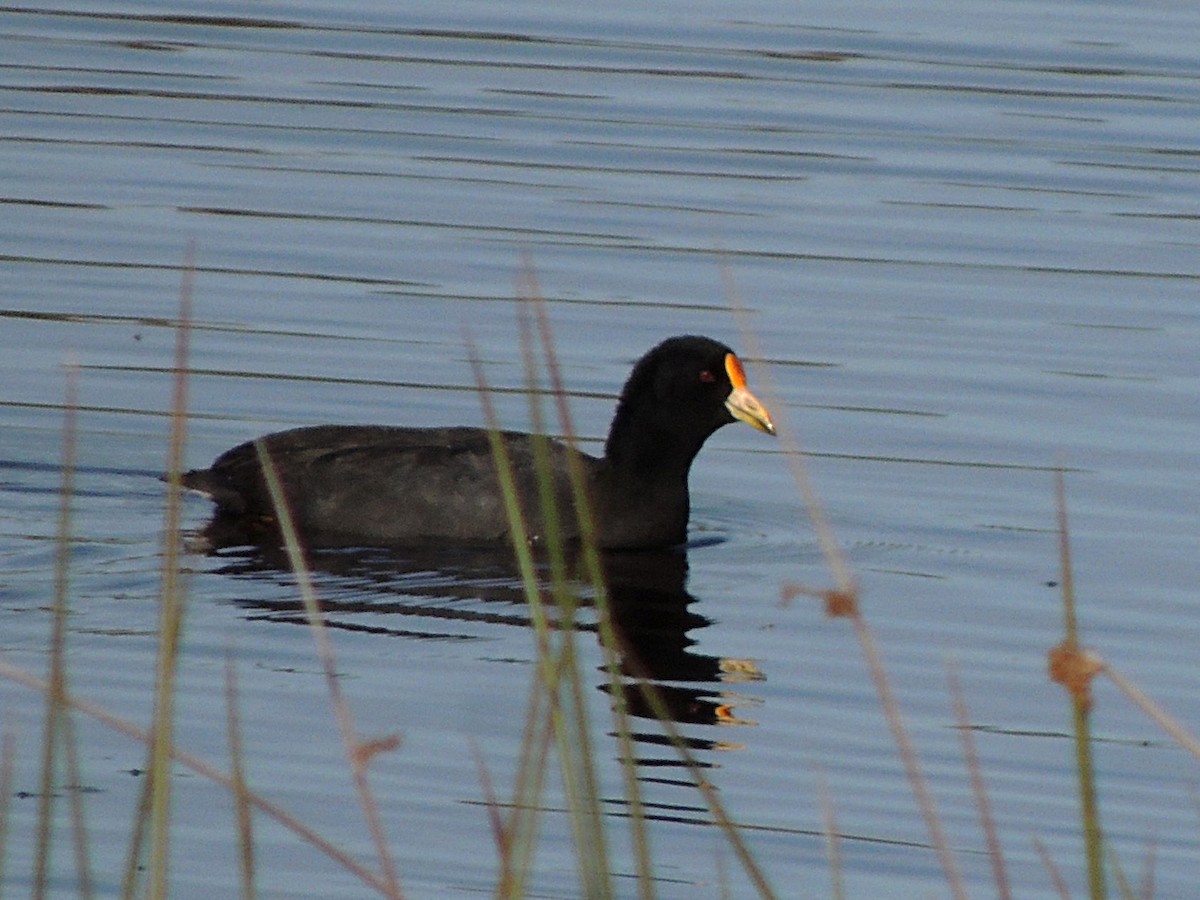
{"x": 556, "y": 734}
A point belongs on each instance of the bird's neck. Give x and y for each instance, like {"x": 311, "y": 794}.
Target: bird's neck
{"x": 641, "y": 446}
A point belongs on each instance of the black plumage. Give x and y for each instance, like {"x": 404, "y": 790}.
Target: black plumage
{"x": 395, "y": 486}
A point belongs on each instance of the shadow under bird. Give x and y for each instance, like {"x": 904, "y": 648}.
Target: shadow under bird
{"x": 374, "y": 485}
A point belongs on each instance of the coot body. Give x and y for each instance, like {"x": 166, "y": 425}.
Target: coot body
{"x": 374, "y": 485}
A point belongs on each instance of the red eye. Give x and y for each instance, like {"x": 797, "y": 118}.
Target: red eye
{"x": 707, "y": 377}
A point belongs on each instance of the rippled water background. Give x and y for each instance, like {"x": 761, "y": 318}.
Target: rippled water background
{"x": 967, "y": 236}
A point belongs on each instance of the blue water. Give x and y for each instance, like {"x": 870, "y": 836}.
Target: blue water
{"x": 963, "y": 237}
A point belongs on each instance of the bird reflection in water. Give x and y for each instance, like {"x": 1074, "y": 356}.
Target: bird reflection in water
{"x": 407, "y": 593}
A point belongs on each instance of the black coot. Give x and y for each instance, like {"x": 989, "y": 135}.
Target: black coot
{"x": 374, "y": 485}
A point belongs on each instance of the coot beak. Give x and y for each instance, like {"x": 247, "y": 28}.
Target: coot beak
{"x": 742, "y": 404}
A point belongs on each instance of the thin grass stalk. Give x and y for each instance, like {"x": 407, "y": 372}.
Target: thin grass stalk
{"x": 522, "y": 826}
{"x": 1056, "y": 878}
{"x": 524, "y": 815}
{"x": 579, "y": 766}
{"x": 358, "y": 754}
{"x": 500, "y": 831}
{"x": 653, "y": 699}
{"x": 908, "y": 754}
{"x": 1147, "y": 888}
{"x": 833, "y": 840}
{"x": 491, "y": 801}
{"x": 1142, "y": 701}
{"x": 1124, "y": 888}
{"x": 54, "y": 725}
{"x": 137, "y": 840}
{"x": 8, "y": 753}
{"x": 205, "y": 770}
{"x": 840, "y": 605}
{"x": 724, "y": 891}
{"x": 547, "y": 500}
{"x": 75, "y": 788}
{"x": 512, "y": 504}
{"x": 793, "y": 453}
{"x": 514, "y": 842}
{"x": 171, "y": 606}
{"x": 846, "y": 593}
{"x": 978, "y": 788}
{"x": 1080, "y": 710}
{"x": 237, "y": 771}
{"x": 609, "y": 640}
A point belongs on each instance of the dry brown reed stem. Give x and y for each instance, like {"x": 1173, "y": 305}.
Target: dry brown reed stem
{"x": 1143, "y": 702}
{"x": 358, "y": 753}
{"x": 843, "y": 599}
{"x": 833, "y": 838}
{"x": 908, "y": 753}
{"x": 8, "y": 753}
{"x": 653, "y": 698}
{"x": 500, "y": 834}
{"x": 843, "y": 605}
{"x": 793, "y": 453}
{"x": 978, "y": 788}
{"x": 204, "y": 769}
{"x": 1147, "y": 889}
{"x": 1056, "y": 878}
{"x": 241, "y": 803}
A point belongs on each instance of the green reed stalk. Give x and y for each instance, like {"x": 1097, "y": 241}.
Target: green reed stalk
{"x": 591, "y": 839}
{"x": 171, "y": 609}
{"x": 520, "y": 833}
{"x": 611, "y": 643}
{"x": 57, "y": 725}
{"x": 557, "y": 674}
{"x": 1081, "y": 702}
{"x": 728, "y": 827}
{"x": 593, "y": 568}
{"x": 204, "y": 770}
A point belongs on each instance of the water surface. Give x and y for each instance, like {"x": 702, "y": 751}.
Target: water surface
{"x": 965, "y": 238}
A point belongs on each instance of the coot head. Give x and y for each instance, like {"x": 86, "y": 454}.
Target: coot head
{"x": 677, "y": 395}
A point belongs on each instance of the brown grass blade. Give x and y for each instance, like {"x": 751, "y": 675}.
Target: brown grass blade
{"x": 352, "y": 744}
